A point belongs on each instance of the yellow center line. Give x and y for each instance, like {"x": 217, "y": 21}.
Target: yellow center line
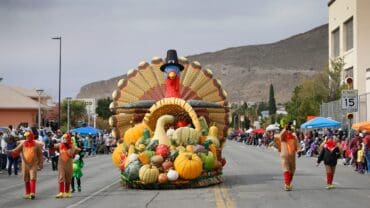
{"x": 222, "y": 197}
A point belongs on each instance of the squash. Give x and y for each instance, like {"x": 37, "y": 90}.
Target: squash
{"x": 208, "y": 161}
{"x": 131, "y": 149}
{"x": 134, "y": 133}
{"x": 204, "y": 125}
{"x": 145, "y": 139}
{"x": 167, "y": 165}
{"x": 162, "y": 150}
{"x": 212, "y": 148}
{"x": 144, "y": 158}
{"x": 172, "y": 175}
{"x": 213, "y": 136}
{"x": 152, "y": 145}
{"x": 141, "y": 147}
{"x": 173, "y": 154}
{"x": 162, "y": 178}
{"x": 184, "y": 134}
{"x": 188, "y": 165}
{"x": 156, "y": 160}
{"x": 189, "y": 148}
{"x": 148, "y": 174}
{"x": 149, "y": 154}
{"x": 160, "y": 133}
{"x": 132, "y": 170}
{"x": 199, "y": 148}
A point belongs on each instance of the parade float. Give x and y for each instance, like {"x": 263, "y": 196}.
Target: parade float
{"x": 170, "y": 120}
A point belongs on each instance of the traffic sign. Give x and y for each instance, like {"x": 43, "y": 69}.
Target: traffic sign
{"x": 349, "y": 100}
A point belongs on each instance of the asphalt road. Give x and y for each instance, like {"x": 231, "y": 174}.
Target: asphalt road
{"x": 253, "y": 178}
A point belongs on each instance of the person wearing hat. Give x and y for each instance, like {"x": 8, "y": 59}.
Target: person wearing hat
{"x": 67, "y": 152}
{"x": 172, "y": 70}
{"x": 330, "y": 153}
{"x": 32, "y": 159}
{"x": 287, "y": 143}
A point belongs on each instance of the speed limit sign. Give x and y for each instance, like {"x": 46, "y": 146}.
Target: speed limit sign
{"x": 350, "y": 100}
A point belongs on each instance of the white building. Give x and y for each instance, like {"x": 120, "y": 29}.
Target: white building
{"x": 349, "y": 38}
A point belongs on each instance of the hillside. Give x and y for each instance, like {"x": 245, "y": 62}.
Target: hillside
{"x": 247, "y": 71}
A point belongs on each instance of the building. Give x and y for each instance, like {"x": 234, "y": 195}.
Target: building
{"x": 19, "y": 106}
{"x": 349, "y": 38}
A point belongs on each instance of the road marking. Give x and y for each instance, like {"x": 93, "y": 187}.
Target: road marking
{"x": 94, "y": 194}
{"x": 222, "y": 197}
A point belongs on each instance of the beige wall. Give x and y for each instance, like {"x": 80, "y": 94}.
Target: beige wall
{"x": 358, "y": 57}
{"x": 16, "y": 116}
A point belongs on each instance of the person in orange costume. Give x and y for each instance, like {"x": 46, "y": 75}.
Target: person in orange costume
{"x": 65, "y": 165}
{"x": 288, "y": 146}
{"x": 32, "y": 159}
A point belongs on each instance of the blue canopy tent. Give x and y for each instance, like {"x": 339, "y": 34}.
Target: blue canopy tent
{"x": 320, "y": 122}
{"x": 85, "y": 130}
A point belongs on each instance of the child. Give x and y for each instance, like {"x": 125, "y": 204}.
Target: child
{"x": 330, "y": 153}
{"x": 360, "y": 158}
{"x": 78, "y": 164}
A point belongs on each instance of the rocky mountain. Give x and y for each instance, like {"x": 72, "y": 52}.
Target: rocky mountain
{"x": 246, "y": 72}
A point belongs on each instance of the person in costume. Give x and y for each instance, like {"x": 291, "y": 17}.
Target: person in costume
{"x": 78, "y": 164}
{"x": 32, "y": 159}
{"x": 287, "y": 143}
{"x": 65, "y": 166}
{"x": 172, "y": 71}
{"x": 330, "y": 153}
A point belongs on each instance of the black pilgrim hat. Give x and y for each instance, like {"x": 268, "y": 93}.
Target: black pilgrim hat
{"x": 171, "y": 59}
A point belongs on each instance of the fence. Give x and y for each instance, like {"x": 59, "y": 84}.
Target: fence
{"x": 334, "y": 110}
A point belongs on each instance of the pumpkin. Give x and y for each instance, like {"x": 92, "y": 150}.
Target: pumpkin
{"x": 144, "y": 158}
{"x": 162, "y": 150}
{"x": 132, "y": 170}
{"x": 157, "y": 160}
{"x": 188, "y": 165}
{"x": 184, "y": 134}
{"x": 162, "y": 178}
{"x": 167, "y": 165}
{"x": 134, "y": 133}
{"x": 208, "y": 161}
{"x": 160, "y": 133}
{"x": 213, "y": 136}
{"x": 116, "y": 156}
{"x": 172, "y": 175}
{"x": 148, "y": 174}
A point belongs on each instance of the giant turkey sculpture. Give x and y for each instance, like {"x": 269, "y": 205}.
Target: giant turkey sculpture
{"x": 170, "y": 120}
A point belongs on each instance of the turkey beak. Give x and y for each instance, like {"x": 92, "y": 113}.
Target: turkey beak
{"x": 172, "y": 75}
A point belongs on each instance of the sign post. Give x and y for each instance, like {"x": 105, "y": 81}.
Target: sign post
{"x": 349, "y": 102}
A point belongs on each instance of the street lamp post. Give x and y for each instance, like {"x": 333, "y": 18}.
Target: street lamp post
{"x": 39, "y": 92}
{"x": 60, "y": 73}
{"x": 68, "y": 118}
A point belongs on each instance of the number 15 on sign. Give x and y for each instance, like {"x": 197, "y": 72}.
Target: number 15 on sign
{"x": 349, "y": 100}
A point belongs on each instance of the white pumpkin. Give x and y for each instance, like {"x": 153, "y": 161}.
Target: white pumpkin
{"x": 172, "y": 175}
{"x": 133, "y": 157}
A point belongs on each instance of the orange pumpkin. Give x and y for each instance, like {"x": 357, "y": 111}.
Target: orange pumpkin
{"x": 188, "y": 165}
{"x": 134, "y": 133}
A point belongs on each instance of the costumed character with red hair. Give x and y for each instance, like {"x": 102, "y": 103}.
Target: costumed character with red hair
{"x": 288, "y": 146}
{"x": 65, "y": 165}
{"x": 329, "y": 153}
{"x": 32, "y": 159}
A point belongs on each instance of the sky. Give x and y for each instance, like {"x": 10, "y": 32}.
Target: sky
{"x": 102, "y": 39}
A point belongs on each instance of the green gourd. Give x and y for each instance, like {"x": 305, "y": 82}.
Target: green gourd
{"x": 132, "y": 170}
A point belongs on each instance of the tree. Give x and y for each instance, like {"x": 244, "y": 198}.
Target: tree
{"x": 272, "y": 102}
{"x": 308, "y": 96}
{"x": 102, "y": 108}
{"x": 77, "y": 112}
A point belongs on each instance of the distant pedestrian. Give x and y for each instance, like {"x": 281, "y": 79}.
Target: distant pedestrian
{"x": 330, "y": 154}
{"x": 13, "y": 158}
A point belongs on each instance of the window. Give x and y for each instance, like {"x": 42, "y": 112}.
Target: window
{"x": 348, "y": 30}
{"x": 335, "y": 43}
